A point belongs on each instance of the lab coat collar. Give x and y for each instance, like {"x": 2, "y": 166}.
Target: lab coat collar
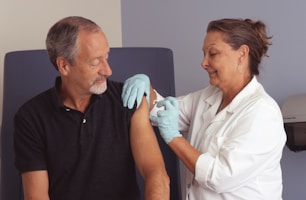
{"x": 244, "y": 94}
{"x": 249, "y": 89}
{"x": 215, "y": 98}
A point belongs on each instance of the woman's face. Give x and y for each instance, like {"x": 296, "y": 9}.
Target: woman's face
{"x": 220, "y": 61}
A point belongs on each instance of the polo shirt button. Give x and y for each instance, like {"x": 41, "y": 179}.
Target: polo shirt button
{"x": 84, "y": 121}
{"x": 67, "y": 109}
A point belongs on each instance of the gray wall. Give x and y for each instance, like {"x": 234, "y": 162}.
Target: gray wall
{"x": 180, "y": 25}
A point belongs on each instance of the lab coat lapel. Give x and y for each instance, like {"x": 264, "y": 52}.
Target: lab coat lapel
{"x": 211, "y": 115}
{"x": 213, "y": 101}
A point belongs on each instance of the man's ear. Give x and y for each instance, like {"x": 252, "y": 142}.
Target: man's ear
{"x": 62, "y": 65}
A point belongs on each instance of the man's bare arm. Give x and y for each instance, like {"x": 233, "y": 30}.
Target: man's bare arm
{"x": 152, "y": 97}
{"x": 148, "y": 156}
{"x": 35, "y": 185}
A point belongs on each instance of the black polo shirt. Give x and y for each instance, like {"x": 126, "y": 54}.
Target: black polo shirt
{"x": 87, "y": 155}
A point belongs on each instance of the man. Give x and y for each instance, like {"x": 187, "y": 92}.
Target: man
{"x": 76, "y": 140}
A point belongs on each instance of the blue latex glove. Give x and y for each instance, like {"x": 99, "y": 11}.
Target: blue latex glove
{"x": 133, "y": 90}
{"x": 167, "y": 120}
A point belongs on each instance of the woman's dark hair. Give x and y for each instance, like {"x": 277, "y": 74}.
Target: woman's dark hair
{"x": 239, "y": 32}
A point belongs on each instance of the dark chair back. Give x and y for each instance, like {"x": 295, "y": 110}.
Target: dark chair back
{"x": 27, "y": 73}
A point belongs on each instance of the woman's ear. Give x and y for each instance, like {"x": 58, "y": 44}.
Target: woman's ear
{"x": 62, "y": 65}
{"x": 243, "y": 52}
{"x": 243, "y": 59}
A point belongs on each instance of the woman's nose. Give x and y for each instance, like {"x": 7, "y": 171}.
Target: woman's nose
{"x": 204, "y": 63}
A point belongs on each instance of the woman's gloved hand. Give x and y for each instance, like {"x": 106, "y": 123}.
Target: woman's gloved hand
{"x": 133, "y": 90}
{"x": 167, "y": 119}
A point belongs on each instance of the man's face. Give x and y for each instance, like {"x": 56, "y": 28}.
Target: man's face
{"x": 91, "y": 69}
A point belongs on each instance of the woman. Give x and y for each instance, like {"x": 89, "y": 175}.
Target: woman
{"x": 233, "y": 128}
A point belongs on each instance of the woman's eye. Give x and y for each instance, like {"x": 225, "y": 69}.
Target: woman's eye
{"x": 212, "y": 54}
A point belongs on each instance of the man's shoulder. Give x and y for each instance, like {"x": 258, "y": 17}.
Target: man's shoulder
{"x": 114, "y": 88}
{"x": 113, "y": 94}
{"x": 114, "y": 84}
{"x": 37, "y": 100}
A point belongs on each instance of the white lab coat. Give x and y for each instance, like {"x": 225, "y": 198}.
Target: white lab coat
{"x": 241, "y": 145}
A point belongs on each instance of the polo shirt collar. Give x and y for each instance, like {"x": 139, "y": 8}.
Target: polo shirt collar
{"x": 56, "y": 99}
